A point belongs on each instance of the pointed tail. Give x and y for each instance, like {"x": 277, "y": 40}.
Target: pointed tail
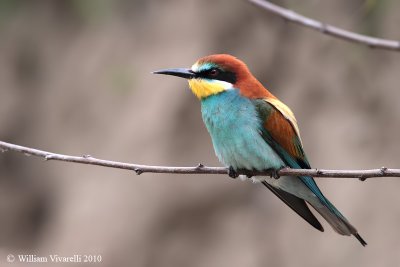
{"x": 338, "y": 222}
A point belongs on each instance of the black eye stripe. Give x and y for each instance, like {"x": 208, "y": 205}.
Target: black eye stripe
{"x": 226, "y": 76}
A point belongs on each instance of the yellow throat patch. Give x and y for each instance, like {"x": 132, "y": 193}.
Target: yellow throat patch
{"x": 203, "y": 88}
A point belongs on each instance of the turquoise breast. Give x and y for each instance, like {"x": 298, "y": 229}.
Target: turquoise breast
{"x": 235, "y": 130}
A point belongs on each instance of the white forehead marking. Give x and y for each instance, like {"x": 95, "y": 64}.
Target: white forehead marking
{"x": 203, "y": 66}
{"x": 195, "y": 67}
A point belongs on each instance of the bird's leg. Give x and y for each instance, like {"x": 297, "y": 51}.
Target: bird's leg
{"x": 232, "y": 173}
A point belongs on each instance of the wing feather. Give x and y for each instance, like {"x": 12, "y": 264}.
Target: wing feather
{"x": 281, "y": 125}
{"x": 298, "y": 205}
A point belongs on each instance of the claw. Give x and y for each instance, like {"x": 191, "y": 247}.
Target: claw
{"x": 248, "y": 173}
{"x": 232, "y": 173}
{"x": 274, "y": 173}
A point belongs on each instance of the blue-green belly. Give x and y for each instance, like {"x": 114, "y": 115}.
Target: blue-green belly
{"x": 235, "y": 130}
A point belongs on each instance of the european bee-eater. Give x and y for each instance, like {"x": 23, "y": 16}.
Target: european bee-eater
{"x": 252, "y": 130}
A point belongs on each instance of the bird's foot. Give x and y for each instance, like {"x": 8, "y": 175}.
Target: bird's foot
{"x": 274, "y": 173}
{"x": 232, "y": 173}
{"x": 235, "y": 173}
{"x": 248, "y": 173}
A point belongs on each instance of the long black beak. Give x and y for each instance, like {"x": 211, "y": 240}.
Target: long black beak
{"x": 180, "y": 72}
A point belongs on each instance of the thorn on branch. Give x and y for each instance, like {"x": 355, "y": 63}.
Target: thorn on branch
{"x": 323, "y": 28}
{"x": 86, "y": 156}
{"x": 48, "y": 157}
{"x": 199, "y": 166}
{"x": 383, "y": 170}
{"x": 362, "y": 179}
{"x": 138, "y": 171}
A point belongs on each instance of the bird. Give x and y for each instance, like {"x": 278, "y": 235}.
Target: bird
{"x": 251, "y": 130}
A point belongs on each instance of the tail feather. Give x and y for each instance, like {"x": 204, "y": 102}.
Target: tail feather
{"x": 338, "y": 222}
{"x": 330, "y": 213}
{"x": 360, "y": 239}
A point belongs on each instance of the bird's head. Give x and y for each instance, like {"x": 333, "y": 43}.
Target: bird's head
{"x": 215, "y": 74}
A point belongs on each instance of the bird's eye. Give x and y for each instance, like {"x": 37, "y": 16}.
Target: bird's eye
{"x": 214, "y": 72}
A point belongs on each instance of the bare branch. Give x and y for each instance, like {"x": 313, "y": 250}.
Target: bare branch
{"x": 326, "y": 28}
{"x": 199, "y": 169}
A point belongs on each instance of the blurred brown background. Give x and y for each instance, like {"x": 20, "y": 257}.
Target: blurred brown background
{"x": 75, "y": 79}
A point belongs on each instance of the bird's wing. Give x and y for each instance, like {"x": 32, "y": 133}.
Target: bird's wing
{"x": 281, "y": 127}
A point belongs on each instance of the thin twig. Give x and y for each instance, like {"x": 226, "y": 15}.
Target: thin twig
{"x": 199, "y": 169}
{"x": 326, "y": 28}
